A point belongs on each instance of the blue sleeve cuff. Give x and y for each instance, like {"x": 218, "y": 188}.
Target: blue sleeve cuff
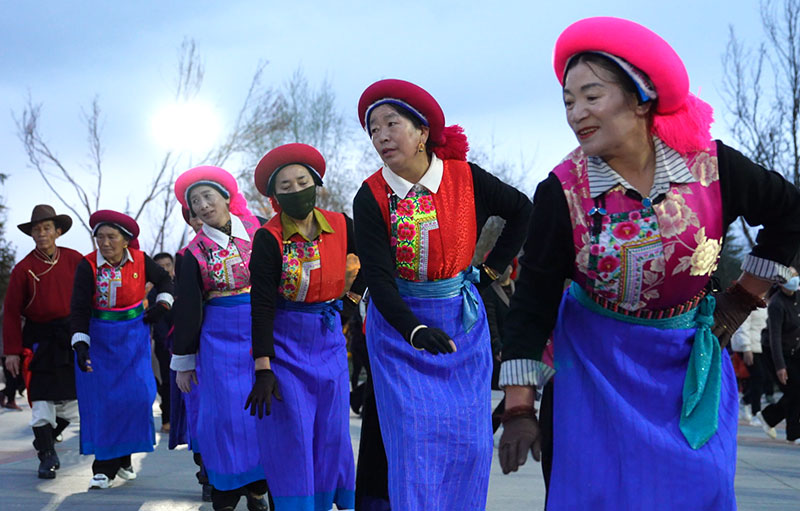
{"x": 81, "y": 337}
{"x": 182, "y": 362}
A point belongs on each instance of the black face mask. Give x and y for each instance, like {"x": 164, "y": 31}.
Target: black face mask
{"x": 298, "y": 204}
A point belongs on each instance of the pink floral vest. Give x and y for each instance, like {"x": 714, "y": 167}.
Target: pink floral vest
{"x": 639, "y": 257}
{"x": 224, "y": 270}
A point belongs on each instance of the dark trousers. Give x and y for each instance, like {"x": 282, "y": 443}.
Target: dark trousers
{"x": 372, "y": 470}
{"x": 110, "y": 467}
{"x": 546, "y": 427}
{"x": 788, "y": 407}
{"x": 163, "y": 356}
{"x": 13, "y": 384}
{"x": 756, "y": 383}
{"x": 229, "y": 498}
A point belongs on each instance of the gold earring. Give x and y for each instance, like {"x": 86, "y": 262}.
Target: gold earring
{"x": 421, "y": 147}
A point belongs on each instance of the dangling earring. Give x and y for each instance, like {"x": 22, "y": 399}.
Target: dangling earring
{"x": 421, "y": 147}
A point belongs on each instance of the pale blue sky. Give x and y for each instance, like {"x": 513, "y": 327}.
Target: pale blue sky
{"x": 487, "y": 63}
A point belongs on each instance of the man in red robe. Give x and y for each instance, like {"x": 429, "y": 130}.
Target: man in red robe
{"x": 38, "y": 297}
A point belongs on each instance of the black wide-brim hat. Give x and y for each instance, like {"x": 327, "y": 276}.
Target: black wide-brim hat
{"x": 43, "y": 212}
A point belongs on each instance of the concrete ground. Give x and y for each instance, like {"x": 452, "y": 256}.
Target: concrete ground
{"x": 768, "y": 476}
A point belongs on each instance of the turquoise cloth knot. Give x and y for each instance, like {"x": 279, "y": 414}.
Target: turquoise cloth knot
{"x": 328, "y": 310}
{"x": 461, "y": 284}
{"x": 702, "y": 386}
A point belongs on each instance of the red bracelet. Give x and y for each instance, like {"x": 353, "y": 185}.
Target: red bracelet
{"x": 518, "y": 411}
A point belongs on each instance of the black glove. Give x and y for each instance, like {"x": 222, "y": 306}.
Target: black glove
{"x": 733, "y": 307}
{"x": 82, "y": 352}
{"x": 520, "y": 434}
{"x": 260, "y": 397}
{"x": 154, "y": 313}
{"x": 431, "y": 340}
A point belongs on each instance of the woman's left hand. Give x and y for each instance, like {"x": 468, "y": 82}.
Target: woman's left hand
{"x": 184, "y": 380}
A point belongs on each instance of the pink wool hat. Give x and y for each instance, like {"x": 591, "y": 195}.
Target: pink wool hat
{"x": 217, "y": 178}
{"x": 681, "y": 120}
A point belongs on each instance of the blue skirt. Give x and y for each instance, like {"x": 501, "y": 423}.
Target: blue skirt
{"x": 434, "y": 410}
{"x": 617, "y": 405}
{"x": 305, "y": 441}
{"x": 226, "y": 433}
{"x": 116, "y": 399}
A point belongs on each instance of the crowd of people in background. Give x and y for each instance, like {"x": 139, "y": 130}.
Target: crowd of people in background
{"x": 596, "y": 303}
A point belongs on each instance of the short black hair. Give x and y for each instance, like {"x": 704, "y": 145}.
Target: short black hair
{"x": 163, "y": 255}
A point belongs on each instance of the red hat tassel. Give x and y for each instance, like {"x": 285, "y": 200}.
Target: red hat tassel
{"x": 687, "y": 129}
{"x": 454, "y": 145}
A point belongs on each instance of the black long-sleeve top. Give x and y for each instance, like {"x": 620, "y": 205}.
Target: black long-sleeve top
{"x": 266, "y": 266}
{"x": 783, "y": 321}
{"x": 84, "y": 287}
{"x": 492, "y": 198}
{"x": 762, "y": 197}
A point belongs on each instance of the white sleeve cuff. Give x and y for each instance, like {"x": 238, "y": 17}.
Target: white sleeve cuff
{"x": 166, "y": 298}
{"x": 182, "y": 362}
{"x": 766, "y": 269}
{"x": 80, "y": 336}
{"x": 525, "y": 372}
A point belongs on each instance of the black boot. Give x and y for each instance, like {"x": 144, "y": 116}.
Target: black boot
{"x": 61, "y": 425}
{"x": 43, "y": 443}
{"x": 256, "y": 502}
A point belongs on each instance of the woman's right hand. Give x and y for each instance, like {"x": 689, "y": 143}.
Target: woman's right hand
{"x": 184, "y": 380}
{"x": 783, "y": 376}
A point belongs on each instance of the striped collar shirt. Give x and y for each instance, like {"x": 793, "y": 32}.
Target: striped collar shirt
{"x": 670, "y": 168}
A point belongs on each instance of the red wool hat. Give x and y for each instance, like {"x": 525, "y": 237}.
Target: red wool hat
{"x": 217, "y": 178}
{"x": 121, "y": 221}
{"x": 681, "y": 119}
{"x": 447, "y": 142}
{"x": 287, "y": 154}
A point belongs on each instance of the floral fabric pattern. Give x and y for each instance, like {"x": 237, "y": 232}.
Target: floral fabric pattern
{"x": 109, "y": 279}
{"x": 641, "y": 257}
{"x": 299, "y": 258}
{"x": 411, "y": 219}
{"x": 626, "y": 258}
{"x": 224, "y": 270}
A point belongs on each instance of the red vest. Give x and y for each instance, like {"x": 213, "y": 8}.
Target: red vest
{"x": 325, "y": 282}
{"x": 131, "y": 292}
{"x": 452, "y": 244}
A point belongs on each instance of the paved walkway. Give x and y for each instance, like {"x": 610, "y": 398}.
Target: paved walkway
{"x": 768, "y": 476}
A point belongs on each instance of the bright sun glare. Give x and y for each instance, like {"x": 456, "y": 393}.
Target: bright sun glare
{"x": 191, "y": 126}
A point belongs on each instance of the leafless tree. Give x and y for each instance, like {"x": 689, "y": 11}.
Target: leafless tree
{"x": 310, "y": 116}
{"x": 761, "y": 88}
{"x": 54, "y": 171}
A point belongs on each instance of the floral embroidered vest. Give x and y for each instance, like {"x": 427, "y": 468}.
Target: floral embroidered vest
{"x": 432, "y": 235}
{"x": 646, "y": 257}
{"x": 313, "y": 271}
{"x": 118, "y": 287}
{"x": 224, "y": 270}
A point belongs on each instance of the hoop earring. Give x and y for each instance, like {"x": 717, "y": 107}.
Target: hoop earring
{"x": 421, "y": 147}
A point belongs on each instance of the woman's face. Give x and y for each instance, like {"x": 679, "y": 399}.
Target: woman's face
{"x": 293, "y": 178}
{"x": 111, "y": 243}
{"x": 209, "y": 205}
{"x": 602, "y": 115}
{"x": 395, "y": 138}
